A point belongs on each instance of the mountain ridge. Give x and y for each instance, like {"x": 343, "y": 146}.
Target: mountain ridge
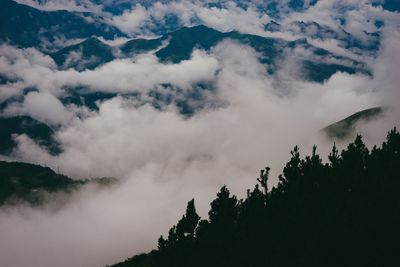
{"x": 26, "y": 26}
{"x": 182, "y": 42}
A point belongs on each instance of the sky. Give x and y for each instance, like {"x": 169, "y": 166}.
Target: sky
{"x": 251, "y": 119}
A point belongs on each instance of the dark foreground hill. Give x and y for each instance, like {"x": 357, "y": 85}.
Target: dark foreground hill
{"x": 342, "y": 213}
{"x": 27, "y": 182}
{"x": 34, "y": 184}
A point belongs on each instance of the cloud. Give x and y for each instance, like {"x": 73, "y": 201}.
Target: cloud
{"x": 144, "y": 73}
{"x": 162, "y": 158}
{"x": 23, "y": 68}
{"x": 132, "y": 20}
{"x": 230, "y": 16}
{"x": 30, "y": 68}
{"x": 151, "y": 18}
{"x": 357, "y": 18}
{"x": 165, "y": 159}
{"x": 53, "y": 5}
{"x": 233, "y": 17}
{"x": 386, "y": 72}
{"x": 41, "y": 106}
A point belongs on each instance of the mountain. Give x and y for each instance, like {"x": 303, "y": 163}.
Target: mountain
{"x": 182, "y": 42}
{"x": 138, "y": 46}
{"x": 345, "y": 128}
{"x": 85, "y": 55}
{"x": 92, "y": 52}
{"x": 314, "y": 30}
{"x": 27, "y": 182}
{"x": 25, "y": 26}
{"x": 83, "y": 97}
{"x": 36, "y": 185}
{"x": 38, "y": 131}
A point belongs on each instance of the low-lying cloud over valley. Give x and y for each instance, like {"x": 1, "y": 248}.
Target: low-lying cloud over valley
{"x": 243, "y": 117}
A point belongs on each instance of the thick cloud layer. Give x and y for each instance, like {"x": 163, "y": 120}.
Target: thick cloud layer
{"x": 30, "y": 68}
{"x": 164, "y": 159}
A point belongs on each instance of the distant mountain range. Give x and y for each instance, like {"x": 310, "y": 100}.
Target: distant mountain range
{"x": 29, "y": 27}
{"x": 26, "y": 26}
{"x": 54, "y": 31}
{"x": 72, "y": 39}
{"x": 270, "y": 7}
{"x": 316, "y": 31}
{"x": 93, "y": 53}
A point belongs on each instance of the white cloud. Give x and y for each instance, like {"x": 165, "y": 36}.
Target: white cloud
{"x": 229, "y": 17}
{"x": 386, "y": 72}
{"x": 41, "y": 106}
{"x": 53, "y": 5}
{"x": 132, "y": 20}
{"x": 163, "y": 158}
{"x": 234, "y": 18}
{"x": 32, "y": 69}
{"x": 144, "y": 73}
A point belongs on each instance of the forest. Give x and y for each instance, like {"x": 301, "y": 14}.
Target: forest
{"x": 345, "y": 212}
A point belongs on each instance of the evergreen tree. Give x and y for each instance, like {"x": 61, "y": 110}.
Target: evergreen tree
{"x": 188, "y": 223}
{"x": 343, "y": 213}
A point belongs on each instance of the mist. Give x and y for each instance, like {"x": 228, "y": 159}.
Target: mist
{"x": 163, "y": 158}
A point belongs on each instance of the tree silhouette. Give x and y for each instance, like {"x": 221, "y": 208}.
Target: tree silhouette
{"x": 345, "y": 212}
{"x": 188, "y": 223}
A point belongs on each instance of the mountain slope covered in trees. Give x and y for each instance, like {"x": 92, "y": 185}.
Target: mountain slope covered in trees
{"x": 38, "y": 131}
{"x": 25, "y": 26}
{"x": 181, "y": 43}
{"x": 342, "y": 213}
{"x": 346, "y": 127}
{"x": 33, "y": 184}
{"x": 29, "y": 183}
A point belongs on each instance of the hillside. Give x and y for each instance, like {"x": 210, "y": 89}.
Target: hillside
{"x": 38, "y": 131}
{"x": 29, "y": 183}
{"x": 341, "y": 213}
{"x": 36, "y": 185}
{"x": 26, "y": 26}
{"x": 181, "y": 43}
{"x": 345, "y": 128}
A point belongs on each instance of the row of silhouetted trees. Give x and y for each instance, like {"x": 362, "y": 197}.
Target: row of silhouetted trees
{"x": 342, "y": 213}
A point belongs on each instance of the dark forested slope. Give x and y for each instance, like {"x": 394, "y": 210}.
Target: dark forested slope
{"x": 27, "y": 182}
{"x": 33, "y": 184}
{"x": 342, "y": 213}
{"x": 25, "y": 26}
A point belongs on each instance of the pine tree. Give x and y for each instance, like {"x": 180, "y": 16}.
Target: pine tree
{"x": 188, "y": 223}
